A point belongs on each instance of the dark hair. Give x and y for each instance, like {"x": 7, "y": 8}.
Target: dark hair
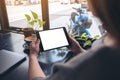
{"x": 109, "y": 13}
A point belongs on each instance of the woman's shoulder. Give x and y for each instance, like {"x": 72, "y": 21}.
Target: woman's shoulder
{"x": 91, "y": 65}
{"x": 98, "y": 62}
{"x": 100, "y": 54}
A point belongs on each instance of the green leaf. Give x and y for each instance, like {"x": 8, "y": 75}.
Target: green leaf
{"x": 83, "y": 36}
{"x": 27, "y": 17}
{"x": 35, "y": 15}
{"x": 41, "y": 23}
{"x": 97, "y": 36}
{"x": 87, "y": 43}
{"x": 32, "y": 22}
{"x": 72, "y": 35}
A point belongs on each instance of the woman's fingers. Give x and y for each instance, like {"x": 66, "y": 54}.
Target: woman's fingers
{"x": 37, "y": 42}
{"x": 32, "y": 44}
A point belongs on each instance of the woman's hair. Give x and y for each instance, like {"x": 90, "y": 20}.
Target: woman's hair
{"x": 109, "y": 13}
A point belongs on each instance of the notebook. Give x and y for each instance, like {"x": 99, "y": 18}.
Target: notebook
{"x": 9, "y": 60}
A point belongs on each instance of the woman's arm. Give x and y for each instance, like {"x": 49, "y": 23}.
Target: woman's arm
{"x": 34, "y": 67}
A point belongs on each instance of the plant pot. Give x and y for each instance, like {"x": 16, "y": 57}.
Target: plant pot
{"x": 28, "y": 32}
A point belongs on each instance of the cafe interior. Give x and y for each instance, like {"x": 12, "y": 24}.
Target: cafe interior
{"x": 15, "y": 36}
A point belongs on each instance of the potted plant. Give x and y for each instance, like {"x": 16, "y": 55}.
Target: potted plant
{"x": 86, "y": 41}
{"x": 34, "y": 23}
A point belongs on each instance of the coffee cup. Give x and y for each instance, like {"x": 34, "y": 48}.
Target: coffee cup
{"x": 29, "y": 39}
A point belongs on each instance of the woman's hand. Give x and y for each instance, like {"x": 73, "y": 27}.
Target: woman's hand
{"x": 75, "y": 47}
{"x": 34, "y": 68}
{"x": 34, "y": 48}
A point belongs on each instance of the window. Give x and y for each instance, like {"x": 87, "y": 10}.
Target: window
{"x": 12, "y": 13}
{"x": 60, "y": 12}
{"x": 16, "y": 10}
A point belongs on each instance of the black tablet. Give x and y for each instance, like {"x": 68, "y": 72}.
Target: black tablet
{"x": 53, "y": 38}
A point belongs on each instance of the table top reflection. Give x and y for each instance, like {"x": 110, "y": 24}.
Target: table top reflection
{"x": 16, "y": 43}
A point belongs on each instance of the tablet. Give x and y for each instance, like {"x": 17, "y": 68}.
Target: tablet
{"x": 53, "y": 38}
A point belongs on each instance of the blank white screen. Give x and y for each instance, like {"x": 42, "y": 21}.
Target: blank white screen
{"x": 53, "y": 38}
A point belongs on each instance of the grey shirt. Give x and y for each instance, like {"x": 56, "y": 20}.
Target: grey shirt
{"x": 102, "y": 63}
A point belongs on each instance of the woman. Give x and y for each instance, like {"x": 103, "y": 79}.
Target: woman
{"x": 101, "y": 63}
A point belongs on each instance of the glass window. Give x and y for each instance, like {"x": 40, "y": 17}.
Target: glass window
{"x": 16, "y": 10}
{"x": 63, "y": 12}
{"x": 60, "y": 13}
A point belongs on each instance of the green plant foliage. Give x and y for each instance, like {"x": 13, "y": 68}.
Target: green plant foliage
{"x": 34, "y": 20}
{"x": 41, "y": 23}
{"x": 97, "y": 37}
{"x": 87, "y": 40}
{"x": 27, "y": 17}
{"x": 35, "y": 15}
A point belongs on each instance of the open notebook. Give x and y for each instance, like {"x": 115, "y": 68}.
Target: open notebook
{"x": 9, "y": 60}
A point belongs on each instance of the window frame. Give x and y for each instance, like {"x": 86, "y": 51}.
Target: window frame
{"x": 5, "y": 22}
{"x": 3, "y": 16}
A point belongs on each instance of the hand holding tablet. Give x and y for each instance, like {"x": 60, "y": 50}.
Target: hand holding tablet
{"x": 53, "y": 38}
